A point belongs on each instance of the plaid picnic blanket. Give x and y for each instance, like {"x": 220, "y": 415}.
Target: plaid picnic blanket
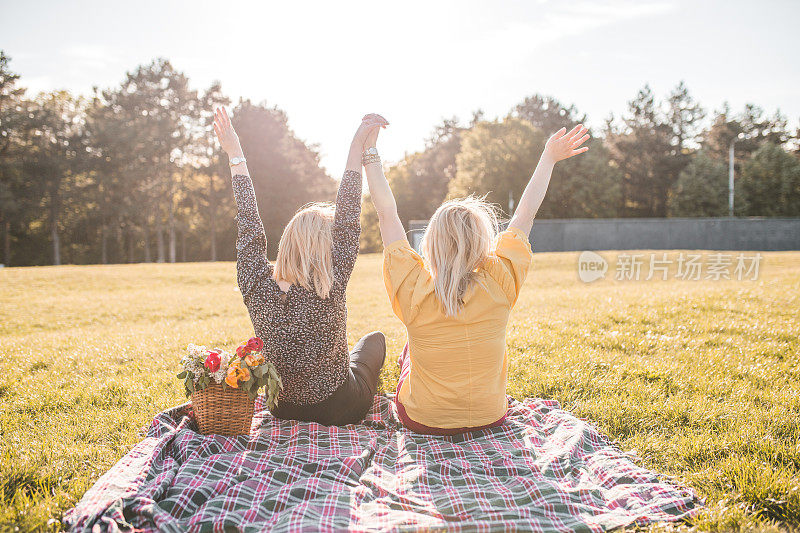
{"x": 543, "y": 470}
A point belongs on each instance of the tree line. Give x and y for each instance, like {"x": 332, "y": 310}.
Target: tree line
{"x": 133, "y": 173}
{"x": 661, "y": 158}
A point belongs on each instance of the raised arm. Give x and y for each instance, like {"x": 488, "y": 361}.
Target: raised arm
{"x": 252, "y": 267}
{"x": 347, "y": 220}
{"x": 380, "y": 192}
{"x": 561, "y": 145}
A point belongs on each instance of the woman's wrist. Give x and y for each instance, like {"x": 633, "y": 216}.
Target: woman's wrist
{"x": 238, "y": 152}
{"x": 548, "y": 159}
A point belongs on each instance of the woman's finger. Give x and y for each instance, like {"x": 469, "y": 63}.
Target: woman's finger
{"x": 576, "y": 134}
{"x": 376, "y": 117}
{"x": 579, "y": 151}
{"x": 574, "y": 130}
{"x": 557, "y": 135}
{"x": 580, "y": 133}
{"x": 580, "y": 141}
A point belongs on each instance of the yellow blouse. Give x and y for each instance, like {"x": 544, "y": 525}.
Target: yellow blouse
{"x": 458, "y": 363}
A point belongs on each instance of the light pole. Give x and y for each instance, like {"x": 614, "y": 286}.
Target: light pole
{"x": 730, "y": 175}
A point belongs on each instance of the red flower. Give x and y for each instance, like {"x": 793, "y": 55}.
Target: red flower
{"x": 255, "y": 344}
{"x": 212, "y": 361}
{"x": 242, "y": 350}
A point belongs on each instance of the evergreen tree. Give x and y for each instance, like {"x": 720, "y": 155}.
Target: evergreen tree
{"x": 770, "y": 184}
{"x": 701, "y": 189}
{"x": 652, "y": 148}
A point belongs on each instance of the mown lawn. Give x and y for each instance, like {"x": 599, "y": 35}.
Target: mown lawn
{"x": 701, "y": 378}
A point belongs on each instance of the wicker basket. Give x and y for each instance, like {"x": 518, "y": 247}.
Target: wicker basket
{"x": 223, "y": 411}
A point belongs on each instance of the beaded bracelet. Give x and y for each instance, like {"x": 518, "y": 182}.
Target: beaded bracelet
{"x": 369, "y": 159}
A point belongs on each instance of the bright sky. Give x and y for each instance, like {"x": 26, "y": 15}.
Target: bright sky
{"x": 328, "y": 63}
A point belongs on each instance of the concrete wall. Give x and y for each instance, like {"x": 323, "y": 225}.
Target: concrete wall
{"x": 764, "y": 234}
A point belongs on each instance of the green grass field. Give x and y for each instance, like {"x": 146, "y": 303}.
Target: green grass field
{"x": 701, "y": 378}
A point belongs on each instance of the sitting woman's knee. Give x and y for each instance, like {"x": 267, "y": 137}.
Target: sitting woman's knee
{"x": 377, "y": 340}
{"x": 377, "y": 336}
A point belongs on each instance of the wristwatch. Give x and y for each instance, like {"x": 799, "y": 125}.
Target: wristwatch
{"x": 370, "y": 151}
{"x": 237, "y": 160}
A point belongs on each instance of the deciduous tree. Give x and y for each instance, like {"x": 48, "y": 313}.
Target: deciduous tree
{"x": 285, "y": 171}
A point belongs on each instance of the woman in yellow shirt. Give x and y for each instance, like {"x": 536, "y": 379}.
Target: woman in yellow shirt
{"x": 455, "y": 298}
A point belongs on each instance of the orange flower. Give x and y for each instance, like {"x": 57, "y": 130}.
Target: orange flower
{"x": 231, "y": 380}
{"x": 254, "y": 359}
{"x": 236, "y": 373}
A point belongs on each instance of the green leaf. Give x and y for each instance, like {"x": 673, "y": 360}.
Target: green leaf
{"x": 182, "y": 374}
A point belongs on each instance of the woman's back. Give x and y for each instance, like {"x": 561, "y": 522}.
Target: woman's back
{"x": 453, "y": 378}
{"x": 459, "y": 365}
{"x": 297, "y": 306}
{"x": 305, "y": 335}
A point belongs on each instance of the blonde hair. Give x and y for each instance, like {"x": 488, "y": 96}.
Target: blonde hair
{"x": 459, "y": 238}
{"x": 304, "y": 251}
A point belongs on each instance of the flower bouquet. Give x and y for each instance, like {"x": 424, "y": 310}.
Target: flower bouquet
{"x": 223, "y": 386}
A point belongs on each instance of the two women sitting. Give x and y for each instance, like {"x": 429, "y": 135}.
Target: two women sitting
{"x": 454, "y": 299}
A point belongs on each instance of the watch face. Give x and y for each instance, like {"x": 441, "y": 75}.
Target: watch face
{"x": 372, "y": 151}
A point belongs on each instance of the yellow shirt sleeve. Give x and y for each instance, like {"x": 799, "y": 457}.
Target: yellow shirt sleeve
{"x": 402, "y": 268}
{"x": 513, "y": 258}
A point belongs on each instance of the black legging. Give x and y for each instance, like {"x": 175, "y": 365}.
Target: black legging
{"x": 350, "y": 403}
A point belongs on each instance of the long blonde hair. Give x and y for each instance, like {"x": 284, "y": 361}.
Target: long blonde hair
{"x": 304, "y": 251}
{"x": 459, "y": 238}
